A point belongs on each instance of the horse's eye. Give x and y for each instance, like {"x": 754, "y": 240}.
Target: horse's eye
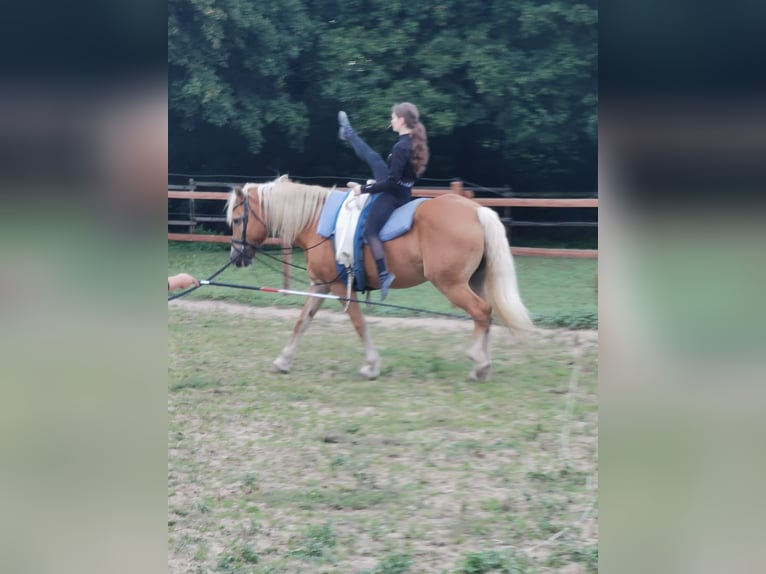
{"x": 236, "y": 221}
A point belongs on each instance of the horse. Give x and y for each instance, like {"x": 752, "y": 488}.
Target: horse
{"x": 456, "y": 244}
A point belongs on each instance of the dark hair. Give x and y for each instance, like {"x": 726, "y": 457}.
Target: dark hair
{"x": 418, "y": 135}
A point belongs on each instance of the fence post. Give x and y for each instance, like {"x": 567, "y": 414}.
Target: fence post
{"x": 456, "y": 187}
{"x": 192, "y": 213}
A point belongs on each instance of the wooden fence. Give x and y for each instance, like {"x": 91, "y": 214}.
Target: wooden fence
{"x": 456, "y": 187}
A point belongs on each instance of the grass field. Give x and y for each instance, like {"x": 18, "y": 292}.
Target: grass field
{"x": 416, "y": 472}
{"x": 558, "y": 292}
{"x": 419, "y": 471}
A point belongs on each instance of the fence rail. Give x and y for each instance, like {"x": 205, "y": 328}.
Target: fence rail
{"x": 456, "y": 187}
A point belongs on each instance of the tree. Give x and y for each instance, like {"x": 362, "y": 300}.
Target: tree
{"x": 521, "y": 79}
{"x": 508, "y": 92}
{"x": 230, "y": 62}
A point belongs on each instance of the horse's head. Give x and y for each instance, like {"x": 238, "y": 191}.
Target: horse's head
{"x": 248, "y": 229}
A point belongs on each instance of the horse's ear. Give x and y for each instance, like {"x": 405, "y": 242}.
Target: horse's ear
{"x": 237, "y": 190}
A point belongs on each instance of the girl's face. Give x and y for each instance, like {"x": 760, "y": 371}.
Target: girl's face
{"x": 397, "y": 123}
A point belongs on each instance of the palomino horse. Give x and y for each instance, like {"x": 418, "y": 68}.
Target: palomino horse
{"x": 454, "y": 243}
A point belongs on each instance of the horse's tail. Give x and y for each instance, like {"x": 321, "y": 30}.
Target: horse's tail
{"x": 501, "y": 287}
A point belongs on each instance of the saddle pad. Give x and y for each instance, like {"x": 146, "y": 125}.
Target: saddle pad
{"x": 399, "y": 223}
{"x": 401, "y": 220}
{"x": 326, "y": 226}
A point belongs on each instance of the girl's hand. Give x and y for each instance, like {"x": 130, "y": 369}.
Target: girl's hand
{"x": 355, "y": 187}
{"x": 181, "y": 281}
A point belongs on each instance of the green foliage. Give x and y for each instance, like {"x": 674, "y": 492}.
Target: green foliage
{"x": 576, "y": 319}
{"x": 492, "y": 561}
{"x": 229, "y": 62}
{"x": 521, "y": 78}
{"x": 393, "y": 564}
{"x": 238, "y": 560}
{"x": 315, "y": 544}
{"x": 588, "y": 556}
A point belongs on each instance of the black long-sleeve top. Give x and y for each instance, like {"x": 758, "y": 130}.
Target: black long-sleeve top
{"x": 401, "y": 174}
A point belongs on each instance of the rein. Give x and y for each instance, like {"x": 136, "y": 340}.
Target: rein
{"x": 291, "y": 264}
{"x": 240, "y": 244}
{"x": 334, "y": 297}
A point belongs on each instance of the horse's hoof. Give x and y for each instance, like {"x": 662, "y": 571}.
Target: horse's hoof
{"x": 281, "y": 365}
{"x": 480, "y": 373}
{"x": 369, "y": 372}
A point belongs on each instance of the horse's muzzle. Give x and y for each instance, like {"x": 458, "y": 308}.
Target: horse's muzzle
{"x": 240, "y": 258}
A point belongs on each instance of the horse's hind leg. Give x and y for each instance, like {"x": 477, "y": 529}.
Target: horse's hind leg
{"x": 480, "y": 311}
{"x": 284, "y": 361}
{"x": 371, "y": 367}
{"x": 480, "y": 351}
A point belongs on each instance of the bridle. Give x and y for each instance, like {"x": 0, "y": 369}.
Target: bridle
{"x": 239, "y": 245}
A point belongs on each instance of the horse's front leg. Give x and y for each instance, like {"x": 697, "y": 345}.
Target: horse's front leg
{"x": 464, "y": 297}
{"x": 371, "y": 367}
{"x": 284, "y": 361}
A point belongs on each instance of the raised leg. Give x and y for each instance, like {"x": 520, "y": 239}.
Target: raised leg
{"x": 284, "y": 361}
{"x": 371, "y": 367}
{"x": 363, "y": 151}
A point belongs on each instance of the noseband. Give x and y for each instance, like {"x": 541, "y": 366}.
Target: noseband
{"x": 240, "y": 244}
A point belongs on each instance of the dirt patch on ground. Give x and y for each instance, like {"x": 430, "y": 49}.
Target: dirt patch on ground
{"x": 577, "y": 339}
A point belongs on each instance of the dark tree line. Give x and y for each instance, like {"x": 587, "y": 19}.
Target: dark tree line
{"x": 507, "y": 90}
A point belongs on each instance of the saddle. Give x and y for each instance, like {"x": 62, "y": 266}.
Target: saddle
{"x": 343, "y": 217}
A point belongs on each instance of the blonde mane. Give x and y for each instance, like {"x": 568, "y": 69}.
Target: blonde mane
{"x": 287, "y": 206}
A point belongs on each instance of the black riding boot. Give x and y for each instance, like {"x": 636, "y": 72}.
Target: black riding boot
{"x": 384, "y": 278}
